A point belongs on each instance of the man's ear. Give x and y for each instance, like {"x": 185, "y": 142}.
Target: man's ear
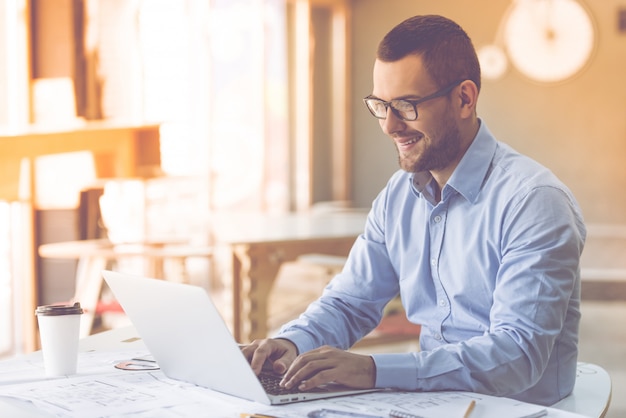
{"x": 468, "y": 93}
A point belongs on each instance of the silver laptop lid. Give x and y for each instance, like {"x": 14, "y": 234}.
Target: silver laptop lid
{"x": 185, "y": 333}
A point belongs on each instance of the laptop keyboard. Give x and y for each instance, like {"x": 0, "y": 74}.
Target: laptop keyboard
{"x": 270, "y": 383}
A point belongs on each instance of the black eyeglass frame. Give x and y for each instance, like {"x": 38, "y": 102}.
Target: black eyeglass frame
{"x": 439, "y": 93}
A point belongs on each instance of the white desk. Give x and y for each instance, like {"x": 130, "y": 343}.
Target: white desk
{"x": 121, "y": 342}
{"x": 592, "y": 393}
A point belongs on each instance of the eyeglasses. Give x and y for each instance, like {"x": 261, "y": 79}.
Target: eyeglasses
{"x": 404, "y": 109}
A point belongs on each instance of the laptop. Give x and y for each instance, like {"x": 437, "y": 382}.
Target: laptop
{"x": 189, "y": 340}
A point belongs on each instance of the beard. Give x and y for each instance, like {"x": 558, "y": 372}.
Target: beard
{"x": 440, "y": 149}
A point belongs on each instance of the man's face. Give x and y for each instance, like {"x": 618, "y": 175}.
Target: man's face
{"x": 432, "y": 141}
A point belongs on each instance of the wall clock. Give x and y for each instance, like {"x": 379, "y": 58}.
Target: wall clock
{"x": 493, "y": 61}
{"x": 549, "y": 40}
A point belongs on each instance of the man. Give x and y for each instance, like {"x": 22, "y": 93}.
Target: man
{"x": 482, "y": 244}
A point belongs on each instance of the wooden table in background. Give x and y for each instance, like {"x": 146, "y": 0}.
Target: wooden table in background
{"x": 258, "y": 245}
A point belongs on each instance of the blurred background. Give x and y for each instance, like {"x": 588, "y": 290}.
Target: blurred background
{"x": 177, "y": 109}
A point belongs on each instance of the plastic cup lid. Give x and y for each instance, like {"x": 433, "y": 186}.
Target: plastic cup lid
{"x": 53, "y": 310}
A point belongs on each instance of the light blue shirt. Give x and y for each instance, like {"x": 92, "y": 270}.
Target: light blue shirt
{"x": 491, "y": 272}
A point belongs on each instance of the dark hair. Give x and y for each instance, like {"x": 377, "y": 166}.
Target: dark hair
{"x": 446, "y": 50}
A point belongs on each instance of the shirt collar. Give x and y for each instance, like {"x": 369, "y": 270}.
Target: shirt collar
{"x": 468, "y": 176}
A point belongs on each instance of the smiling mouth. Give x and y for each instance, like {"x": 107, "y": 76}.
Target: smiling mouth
{"x": 409, "y": 142}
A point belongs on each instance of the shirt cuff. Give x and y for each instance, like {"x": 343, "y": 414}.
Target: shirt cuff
{"x": 397, "y": 371}
{"x": 301, "y": 340}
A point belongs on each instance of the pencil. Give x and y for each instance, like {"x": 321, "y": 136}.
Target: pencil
{"x": 469, "y": 409}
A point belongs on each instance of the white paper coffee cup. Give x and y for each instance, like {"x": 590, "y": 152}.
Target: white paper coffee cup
{"x": 59, "y": 327}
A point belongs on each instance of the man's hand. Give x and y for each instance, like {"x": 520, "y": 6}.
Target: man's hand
{"x": 280, "y": 353}
{"x": 325, "y": 365}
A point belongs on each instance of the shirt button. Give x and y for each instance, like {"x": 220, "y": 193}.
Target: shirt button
{"x": 438, "y": 337}
{"x": 442, "y": 302}
{"x": 433, "y": 262}
{"x": 437, "y": 219}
